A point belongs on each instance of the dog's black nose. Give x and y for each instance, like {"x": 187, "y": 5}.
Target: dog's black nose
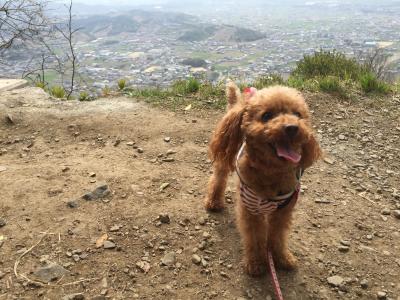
{"x": 291, "y": 130}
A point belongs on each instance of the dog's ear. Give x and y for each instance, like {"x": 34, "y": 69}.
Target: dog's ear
{"x": 311, "y": 152}
{"x": 232, "y": 93}
{"x": 227, "y": 138}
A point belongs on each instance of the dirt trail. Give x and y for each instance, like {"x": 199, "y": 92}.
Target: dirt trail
{"x": 154, "y": 162}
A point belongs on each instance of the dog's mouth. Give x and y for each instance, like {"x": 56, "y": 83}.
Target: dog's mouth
{"x": 286, "y": 152}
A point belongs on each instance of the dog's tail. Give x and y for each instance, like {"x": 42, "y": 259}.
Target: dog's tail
{"x": 232, "y": 93}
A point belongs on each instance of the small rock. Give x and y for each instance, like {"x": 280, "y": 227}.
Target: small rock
{"x": 3, "y": 168}
{"x": 92, "y": 174}
{"x": 115, "y": 228}
{"x": 130, "y": 143}
{"x": 101, "y": 191}
{"x": 164, "y": 186}
{"x": 168, "y": 159}
{"x": 342, "y": 137}
{"x": 204, "y": 263}
{"x": 76, "y": 257}
{"x": 65, "y": 169}
{"x": 335, "y": 280}
{"x": 202, "y": 245}
{"x": 328, "y": 160}
{"x": 169, "y": 259}
{"x": 206, "y": 235}
{"x": 322, "y": 201}
{"x": 72, "y": 204}
{"x": 50, "y": 272}
{"x": 108, "y": 245}
{"x": 164, "y": 218}
{"x": 170, "y": 152}
{"x": 167, "y": 139}
{"x": 9, "y": 119}
{"x": 196, "y": 259}
{"x": 345, "y": 243}
{"x": 77, "y": 296}
{"x": 2, "y": 222}
{"x": 385, "y": 212}
{"x": 139, "y": 150}
{"x": 364, "y": 283}
{"x": 144, "y": 266}
{"x": 344, "y": 248}
{"x": 381, "y": 295}
{"x": 396, "y": 213}
{"x": 223, "y": 274}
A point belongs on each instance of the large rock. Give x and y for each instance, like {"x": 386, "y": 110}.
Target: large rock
{"x": 101, "y": 191}
{"x": 169, "y": 259}
{"x": 335, "y": 280}
{"x": 50, "y": 272}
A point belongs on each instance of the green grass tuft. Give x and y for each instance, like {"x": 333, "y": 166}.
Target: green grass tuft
{"x": 121, "y": 84}
{"x": 267, "y": 80}
{"x": 83, "y": 96}
{"x": 370, "y": 84}
{"x": 57, "y": 91}
{"x": 106, "y": 91}
{"x": 186, "y": 86}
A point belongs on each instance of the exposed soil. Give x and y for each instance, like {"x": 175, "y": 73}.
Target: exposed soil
{"x": 154, "y": 163}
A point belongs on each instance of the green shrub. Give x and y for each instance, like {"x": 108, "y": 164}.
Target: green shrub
{"x": 57, "y": 91}
{"x": 121, "y": 84}
{"x": 83, "y": 96}
{"x": 295, "y": 82}
{"x": 193, "y": 85}
{"x": 106, "y": 91}
{"x": 186, "y": 86}
{"x": 41, "y": 85}
{"x": 208, "y": 90}
{"x": 326, "y": 63}
{"x": 329, "y": 84}
{"x": 370, "y": 84}
{"x": 268, "y": 80}
{"x": 332, "y": 85}
{"x": 303, "y": 84}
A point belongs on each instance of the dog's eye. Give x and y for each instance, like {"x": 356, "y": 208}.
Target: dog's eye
{"x": 266, "y": 116}
{"x": 297, "y": 114}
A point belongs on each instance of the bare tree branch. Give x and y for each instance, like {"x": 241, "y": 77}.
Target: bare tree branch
{"x": 20, "y": 20}
{"x": 376, "y": 61}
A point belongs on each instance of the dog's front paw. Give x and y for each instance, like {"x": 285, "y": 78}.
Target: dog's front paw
{"x": 287, "y": 261}
{"x": 255, "y": 268}
{"x": 214, "y": 205}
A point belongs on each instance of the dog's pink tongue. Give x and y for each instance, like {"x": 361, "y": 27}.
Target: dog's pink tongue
{"x": 288, "y": 154}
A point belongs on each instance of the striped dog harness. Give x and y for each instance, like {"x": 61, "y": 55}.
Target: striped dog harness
{"x": 261, "y": 206}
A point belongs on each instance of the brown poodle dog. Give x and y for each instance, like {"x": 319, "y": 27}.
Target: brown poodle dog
{"x": 266, "y": 136}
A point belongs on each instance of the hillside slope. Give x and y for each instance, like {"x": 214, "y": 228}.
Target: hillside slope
{"x": 177, "y": 25}
{"x": 155, "y": 162}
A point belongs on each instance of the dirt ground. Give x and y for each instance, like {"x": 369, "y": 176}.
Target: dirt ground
{"x": 147, "y": 235}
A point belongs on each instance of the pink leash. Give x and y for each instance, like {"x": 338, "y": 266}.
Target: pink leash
{"x": 271, "y": 266}
{"x": 274, "y": 276}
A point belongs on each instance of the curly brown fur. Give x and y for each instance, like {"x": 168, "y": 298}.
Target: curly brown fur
{"x": 275, "y": 122}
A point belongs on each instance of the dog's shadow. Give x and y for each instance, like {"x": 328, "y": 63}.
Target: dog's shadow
{"x": 292, "y": 283}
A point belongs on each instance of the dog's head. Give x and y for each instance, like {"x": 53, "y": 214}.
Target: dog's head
{"x": 275, "y": 122}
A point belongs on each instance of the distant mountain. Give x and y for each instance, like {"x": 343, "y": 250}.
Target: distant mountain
{"x": 180, "y": 26}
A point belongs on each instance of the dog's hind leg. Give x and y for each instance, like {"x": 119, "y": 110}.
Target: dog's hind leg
{"x": 215, "y": 200}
